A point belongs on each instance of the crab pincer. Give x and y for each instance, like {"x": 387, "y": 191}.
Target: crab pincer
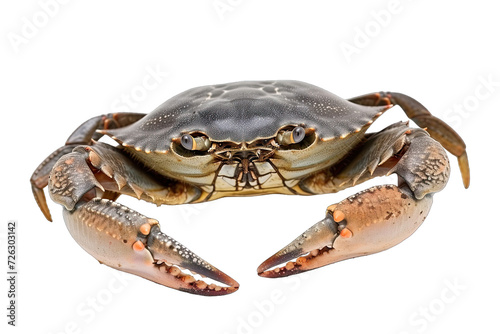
{"x": 366, "y": 223}
{"x": 375, "y": 219}
{"x": 124, "y": 239}
{"x": 120, "y": 237}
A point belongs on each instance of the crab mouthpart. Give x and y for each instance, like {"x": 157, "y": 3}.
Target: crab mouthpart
{"x": 306, "y": 252}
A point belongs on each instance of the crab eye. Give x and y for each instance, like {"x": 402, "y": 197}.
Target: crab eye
{"x": 298, "y": 134}
{"x": 195, "y": 143}
{"x": 294, "y": 136}
{"x": 188, "y": 142}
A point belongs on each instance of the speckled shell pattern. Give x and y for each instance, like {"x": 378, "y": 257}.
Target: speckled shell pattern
{"x": 245, "y": 111}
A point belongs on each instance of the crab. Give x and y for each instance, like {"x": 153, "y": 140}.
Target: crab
{"x": 244, "y": 139}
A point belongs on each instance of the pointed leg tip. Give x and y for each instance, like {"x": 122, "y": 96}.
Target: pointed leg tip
{"x": 41, "y": 201}
{"x": 463, "y": 164}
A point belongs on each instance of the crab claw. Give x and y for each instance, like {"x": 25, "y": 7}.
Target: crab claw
{"x": 128, "y": 241}
{"x": 170, "y": 259}
{"x": 366, "y": 223}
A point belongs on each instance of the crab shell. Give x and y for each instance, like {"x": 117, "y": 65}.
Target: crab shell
{"x": 242, "y": 113}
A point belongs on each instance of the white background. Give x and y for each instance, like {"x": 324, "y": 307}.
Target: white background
{"x": 77, "y": 63}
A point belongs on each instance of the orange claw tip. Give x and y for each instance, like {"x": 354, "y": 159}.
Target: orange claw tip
{"x": 138, "y": 246}
{"x": 145, "y": 228}
{"x": 331, "y": 208}
{"x": 346, "y": 233}
{"x": 338, "y": 216}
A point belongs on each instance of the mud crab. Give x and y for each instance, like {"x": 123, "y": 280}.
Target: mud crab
{"x": 243, "y": 139}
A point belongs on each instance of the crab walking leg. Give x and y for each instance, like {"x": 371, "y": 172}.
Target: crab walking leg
{"x": 118, "y": 236}
{"x": 375, "y": 219}
{"x": 83, "y": 135}
{"x": 438, "y": 129}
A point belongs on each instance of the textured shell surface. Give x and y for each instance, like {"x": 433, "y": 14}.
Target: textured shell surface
{"x": 245, "y": 111}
